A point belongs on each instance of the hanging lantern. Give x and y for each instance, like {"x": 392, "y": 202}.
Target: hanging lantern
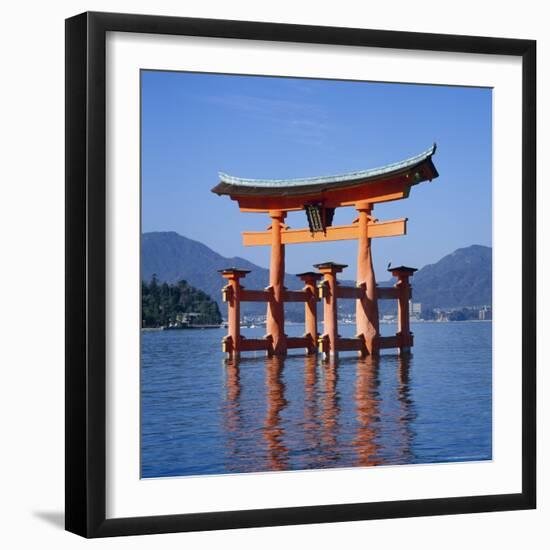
{"x": 318, "y": 217}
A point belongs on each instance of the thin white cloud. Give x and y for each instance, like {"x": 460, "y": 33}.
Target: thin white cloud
{"x": 301, "y": 121}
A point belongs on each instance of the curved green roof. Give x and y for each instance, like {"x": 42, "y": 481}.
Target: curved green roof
{"x": 236, "y": 185}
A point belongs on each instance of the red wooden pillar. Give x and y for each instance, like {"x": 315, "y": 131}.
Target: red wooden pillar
{"x": 367, "y": 306}
{"x": 310, "y": 279}
{"x": 231, "y": 295}
{"x": 404, "y": 334}
{"x": 328, "y": 293}
{"x": 275, "y": 323}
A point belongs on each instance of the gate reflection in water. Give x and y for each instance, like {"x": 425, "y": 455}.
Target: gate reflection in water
{"x": 321, "y": 443}
{"x": 202, "y": 414}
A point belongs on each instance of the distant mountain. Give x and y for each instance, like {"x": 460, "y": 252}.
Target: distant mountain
{"x": 173, "y": 257}
{"x": 462, "y": 278}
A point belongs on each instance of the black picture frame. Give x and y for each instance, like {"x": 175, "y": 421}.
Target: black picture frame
{"x": 86, "y": 264}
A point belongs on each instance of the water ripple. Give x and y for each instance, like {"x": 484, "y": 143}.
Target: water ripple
{"x": 202, "y": 414}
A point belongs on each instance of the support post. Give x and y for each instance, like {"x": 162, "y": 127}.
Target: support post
{"x": 231, "y": 294}
{"x": 310, "y": 279}
{"x": 329, "y": 295}
{"x": 367, "y": 306}
{"x": 404, "y": 334}
{"x": 275, "y": 323}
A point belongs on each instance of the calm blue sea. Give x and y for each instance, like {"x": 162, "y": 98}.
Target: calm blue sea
{"x": 202, "y": 415}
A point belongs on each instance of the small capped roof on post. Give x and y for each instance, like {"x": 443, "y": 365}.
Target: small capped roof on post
{"x": 233, "y": 270}
{"x": 331, "y": 265}
{"x": 402, "y": 269}
{"x": 312, "y": 274}
{"x": 411, "y": 171}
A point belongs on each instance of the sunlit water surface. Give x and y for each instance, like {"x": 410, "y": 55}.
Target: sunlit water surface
{"x": 203, "y": 415}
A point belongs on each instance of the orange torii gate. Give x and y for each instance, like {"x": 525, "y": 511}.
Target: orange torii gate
{"x": 319, "y": 197}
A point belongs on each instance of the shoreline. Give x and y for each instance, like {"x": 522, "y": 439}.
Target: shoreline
{"x": 259, "y": 325}
{"x": 194, "y": 327}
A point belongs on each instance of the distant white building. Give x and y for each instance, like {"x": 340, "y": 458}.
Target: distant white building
{"x": 187, "y": 318}
{"x": 415, "y": 309}
{"x": 485, "y": 313}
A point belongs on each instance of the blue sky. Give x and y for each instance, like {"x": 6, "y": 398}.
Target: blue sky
{"x": 195, "y": 125}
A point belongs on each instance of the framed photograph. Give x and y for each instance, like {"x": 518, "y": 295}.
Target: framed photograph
{"x": 300, "y": 274}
